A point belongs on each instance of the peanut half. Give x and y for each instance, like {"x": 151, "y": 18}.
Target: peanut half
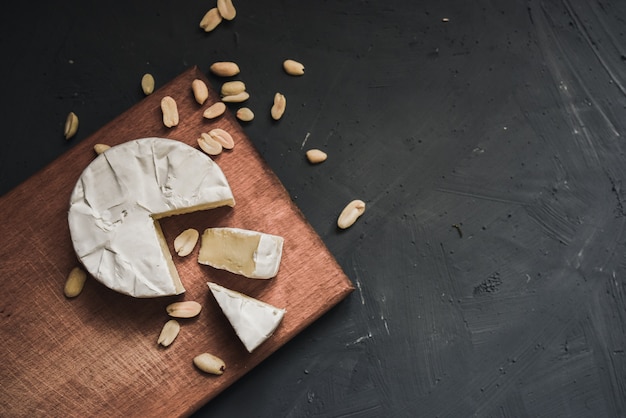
{"x": 185, "y": 309}
{"x": 209, "y": 145}
{"x": 100, "y": 148}
{"x": 236, "y": 98}
{"x": 316, "y": 156}
{"x": 278, "y": 108}
{"x": 223, "y": 138}
{"x": 71, "y": 125}
{"x": 186, "y": 241}
{"x": 147, "y": 84}
{"x": 231, "y": 88}
{"x": 224, "y": 68}
{"x": 200, "y": 91}
{"x": 292, "y": 67}
{"x": 169, "y": 333}
{"x": 210, "y": 20}
{"x": 350, "y": 214}
{"x": 170, "y": 111}
{"x": 226, "y": 9}
{"x": 215, "y": 110}
{"x": 209, "y": 363}
{"x": 75, "y": 282}
{"x": 245, "y": 114}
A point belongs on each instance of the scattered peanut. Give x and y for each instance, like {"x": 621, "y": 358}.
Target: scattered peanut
{"x": 71, "y": 125}
{"x": 75, "y": 282}
{"x": 316, "y": 156}
{"x": 170, "y": 111}
{"x": 147, "y": 84}
{"x": 236, "y": 98}
{"x": 209, "y": 363}
{"x": 215, "y": 110}
{"x": 185, "y": 309}
{"x": 169, "y": 333}
{"x": 100, "y": 148}
{"x": 200, "y": 91}
{"x": 224, "y": 68}
{"x": 226, "y": 9}
{"x": 245, "y": 114}
{"x": 292, "y": 67}
{"x": 185, "y": 242}
{"x": 209, "y": 145}
{"x": 278, "y": 109}
{"x": 223, "y": 137}
{"x": 350, "y": 214}
{"x": 230, "y": 88}
{"x": 210, "y": 20}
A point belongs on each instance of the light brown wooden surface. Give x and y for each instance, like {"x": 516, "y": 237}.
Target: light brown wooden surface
{"x": 96, "y": 355}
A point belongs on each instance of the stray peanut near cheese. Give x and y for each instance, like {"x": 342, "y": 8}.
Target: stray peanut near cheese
{"x": 71, "y": 125}
{"x": 209, "y": 363}
{"x": 236, "y": 98}
{"x": 316, "y": 156}
{"x": 223, "y": 137}
{"x": 350, "y": 214}
{"x": 185, "y": 242}
{"x": 185, "y": 309}
{"x": 210, "y": 20}
{"x": 224, "y": 68}
{"x": 200, "y": 91}
{"x": 226, "y": 9}
{"x": 147, "y": 84}
{"x": 75, "y": 282}
{"x": 170, "y": 111}
{"x": 215, "y": 110}
{"x": 278, "y": 108}
{"x": 209, "y": 145}
{"x": 292, "y": 67}
{"x": 100, "y": 148}
{"x": 245, "y": 114}
{"x": 231, "y": 88}
{"x": 169, "y": 333}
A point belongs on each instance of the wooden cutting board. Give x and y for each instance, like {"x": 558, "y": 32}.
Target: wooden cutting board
{"x": 96, "y": 355}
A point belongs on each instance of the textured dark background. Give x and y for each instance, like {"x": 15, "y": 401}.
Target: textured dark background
{"x": 489, "y": 264}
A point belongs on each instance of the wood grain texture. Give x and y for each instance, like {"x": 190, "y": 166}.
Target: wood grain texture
{"x": 96, "y": 355}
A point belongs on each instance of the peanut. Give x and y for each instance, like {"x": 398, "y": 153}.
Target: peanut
{"x": 224, "y": 68}
{"x": 226, "y": 9}
{"x": 245, "y": 114}
{"x": 209, "y": 145}
{"x": 169, "y": 333}
{"x": 100, "y": 148}
{"x": 185, "y": 309}
{"x": 278, "y": 108}
{"x": 170, "y": 111}
{"x": 236, "y": 98}
{"x": 210, "y": 20}
{"x": 75, "y": 282}
{"x": 185, "y": 242}
{"x": 230, "y": 88}
{"x": 350, "y": 214}
{"x": 215, "y": 110}
{"x": 209, "y": 363}
{"x": 71, "y": 125}
{"x": 147, "y": 84}
{"x": 316, "y": 156}
{"x": 200, "y": 91}
{"x": 223, "y": 137}
{"x": 292, "y": 67}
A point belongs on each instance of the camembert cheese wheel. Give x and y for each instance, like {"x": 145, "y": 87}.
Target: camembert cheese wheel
{"x": 254, "y": 321}
{"x": 118, "y": 200}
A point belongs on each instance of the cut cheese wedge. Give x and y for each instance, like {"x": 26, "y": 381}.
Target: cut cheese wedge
{"x": 254, "y": 321}
{"x": 252, "y": 254}
{"x": 118, "y": 200}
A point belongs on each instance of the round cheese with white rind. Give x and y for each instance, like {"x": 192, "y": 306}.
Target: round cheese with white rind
{"x": 118, "y": 199}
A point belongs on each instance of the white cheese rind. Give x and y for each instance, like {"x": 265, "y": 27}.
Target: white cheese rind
{"x": 117, "y": 200}
{"x": 234, "y": 255}
{"x": 254, "y": 321}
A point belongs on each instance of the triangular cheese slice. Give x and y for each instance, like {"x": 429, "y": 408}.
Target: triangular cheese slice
{"x": 254, "y": 321}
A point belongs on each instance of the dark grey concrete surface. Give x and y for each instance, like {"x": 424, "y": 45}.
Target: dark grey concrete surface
{"x": 486, "y": 137}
